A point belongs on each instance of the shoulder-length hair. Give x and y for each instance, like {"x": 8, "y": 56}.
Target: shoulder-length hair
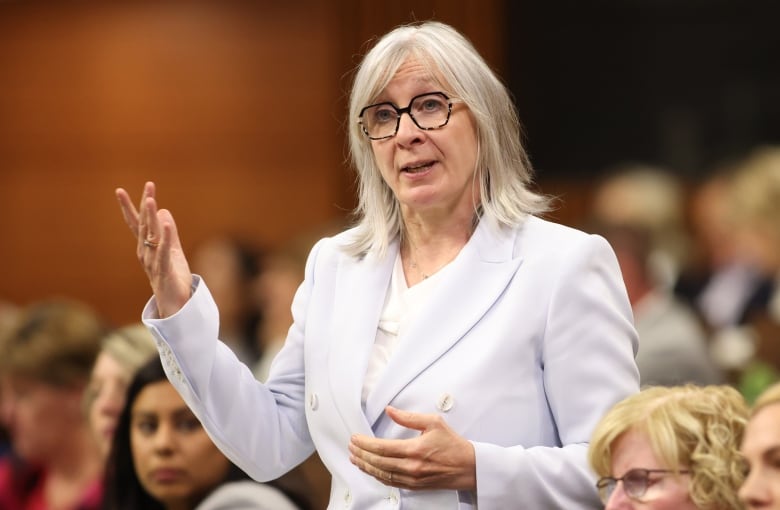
{"x": 689, "y": 427}
{"x": 503, "y": 168}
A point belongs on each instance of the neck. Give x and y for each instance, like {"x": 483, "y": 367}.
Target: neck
{"x": 72, "y": 470}
{"x": 427, "y": 247}
{"x": 79, "y": 457}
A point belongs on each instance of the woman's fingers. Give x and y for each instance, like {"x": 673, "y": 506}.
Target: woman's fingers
{"x": 158, "y": 249}
{"x": 129, "y": 212}
{"x": 152, "y": 223}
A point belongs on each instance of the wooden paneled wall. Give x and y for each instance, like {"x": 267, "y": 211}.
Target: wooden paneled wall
{"x": 235, "y": 110}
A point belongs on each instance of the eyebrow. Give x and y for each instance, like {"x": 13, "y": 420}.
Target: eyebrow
{"x": 774, "y": 450}
{"x": 177, "y": 412}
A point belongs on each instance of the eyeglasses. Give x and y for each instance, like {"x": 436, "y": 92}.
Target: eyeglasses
{"x": 428, "y": 111}
{"x": 635, "y": 483}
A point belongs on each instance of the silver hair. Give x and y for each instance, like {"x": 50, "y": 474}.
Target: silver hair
{"x": 503, "y": 167}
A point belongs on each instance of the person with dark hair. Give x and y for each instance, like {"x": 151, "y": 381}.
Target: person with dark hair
{"x": 162, "y": 458}
{"x": 453, "y": 349}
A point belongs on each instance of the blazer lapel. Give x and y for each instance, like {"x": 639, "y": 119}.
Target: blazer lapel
{"x": 360, "y": 294}
{"x": 475, "y": 280}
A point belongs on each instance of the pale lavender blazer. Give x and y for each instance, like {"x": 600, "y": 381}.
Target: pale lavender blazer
{"x": 525, "y": 343}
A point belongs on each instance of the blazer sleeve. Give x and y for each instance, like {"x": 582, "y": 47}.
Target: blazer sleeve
{"x": 260, "y": 427}
{"x": 588, "y": 349}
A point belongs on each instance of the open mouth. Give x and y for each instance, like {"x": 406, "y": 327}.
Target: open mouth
{"x": 417, "y": 167}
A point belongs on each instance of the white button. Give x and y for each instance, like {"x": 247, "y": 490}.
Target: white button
{"x": 347, "y": 497}
{"x": 314, "y": 403}
{"x": 445, "y": 402}
{"x": 393, "y": 498}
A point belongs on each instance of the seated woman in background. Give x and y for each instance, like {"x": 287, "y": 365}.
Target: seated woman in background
{"x": 761, "y": 449}
{"x": 45, "y": 363}
{"x": 162, "y": 458}
{"x": 122, "y": 352}
{"x": 671, "y": 448}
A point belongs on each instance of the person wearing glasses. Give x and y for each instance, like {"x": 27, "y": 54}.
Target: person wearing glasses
{"x": 671, "y": 448}
{"x": 761, "y": 449}
{"x": 452, "y": 349}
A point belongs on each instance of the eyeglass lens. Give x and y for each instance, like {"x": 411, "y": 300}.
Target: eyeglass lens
{"x": 428, "y": 111}
{"x": 635, "y": 483}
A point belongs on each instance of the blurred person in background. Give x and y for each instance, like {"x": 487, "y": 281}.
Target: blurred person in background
{"x": 671, "y": 448}
{"x": 122, "y": 352}
{"x": 231, "y": 268}
{"x": 638, "y": 209}
{"x": 756, "y": 202}
{"x": 673, "y": 344}
{"x": 45, "y": 362}
{"x": 8, "y": 314}
{"x": 650, "y": 198}
{"x": 162, "y": 458}
{"x": 721, "y": 282}
{"x": 275, "y": 286}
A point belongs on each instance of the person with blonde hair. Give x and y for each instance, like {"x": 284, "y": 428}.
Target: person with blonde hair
{"x": 453, "y": 349}
{"x": 122, "y": 352}
{"x": 671, "y": 448}
{"x": 761, "y": 450}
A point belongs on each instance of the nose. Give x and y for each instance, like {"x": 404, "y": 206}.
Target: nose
{"x": 164, "y": 438}
{"x": 408, "y": 132}
{"x": 754, "y": 493}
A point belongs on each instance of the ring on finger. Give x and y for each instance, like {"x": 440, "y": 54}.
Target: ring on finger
{"x": 390, "y": 476}
{"x": 150, "y": 244}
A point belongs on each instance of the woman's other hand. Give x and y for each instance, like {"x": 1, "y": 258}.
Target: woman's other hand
{"x": 158, "y": 248}
{"x": 436, "y": 459}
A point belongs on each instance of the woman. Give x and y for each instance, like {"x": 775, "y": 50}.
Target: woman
{"x": 761, "y": 449}
{"x": 45, "y": 362}
{"x": 122, "y": 352}
{"x": 163, "y": 459}
{"x": 671, "y": 448}
{"x": 435, "y": 345}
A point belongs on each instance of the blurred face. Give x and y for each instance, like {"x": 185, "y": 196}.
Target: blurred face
{"x": 38, "y": 415}
{"x": 176, "y": 462}
{"x": 663, "y": 491}
{"x": 428, "y": 171}
{"x": 107, "y": 389}
{"x": 761, "y": 449}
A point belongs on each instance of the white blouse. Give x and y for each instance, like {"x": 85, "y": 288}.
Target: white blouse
{"x": 401, "y": 305}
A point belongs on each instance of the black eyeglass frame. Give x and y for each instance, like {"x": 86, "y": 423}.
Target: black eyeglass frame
{"x": 407, "y": 110}
{"x": 605, "y": 481}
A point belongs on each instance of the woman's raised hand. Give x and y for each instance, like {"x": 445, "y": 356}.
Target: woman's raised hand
{"x": 158, "y": 248}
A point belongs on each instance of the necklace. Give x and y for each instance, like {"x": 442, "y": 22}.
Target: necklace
{"x": 414, "y": 266}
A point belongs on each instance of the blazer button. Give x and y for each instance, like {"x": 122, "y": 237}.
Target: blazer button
{"x": 445, "y": 402}
{"x": 314, "y": 402}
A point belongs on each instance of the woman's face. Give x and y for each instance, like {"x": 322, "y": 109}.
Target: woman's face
{"x": 107, "y": 389}
{"x": 761, "y": 449}
{"x": 428, "y": 171}
{"x": 632, "y": 450}
{"x": 39, "y": 415}
{"x": 175, "y": 461}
